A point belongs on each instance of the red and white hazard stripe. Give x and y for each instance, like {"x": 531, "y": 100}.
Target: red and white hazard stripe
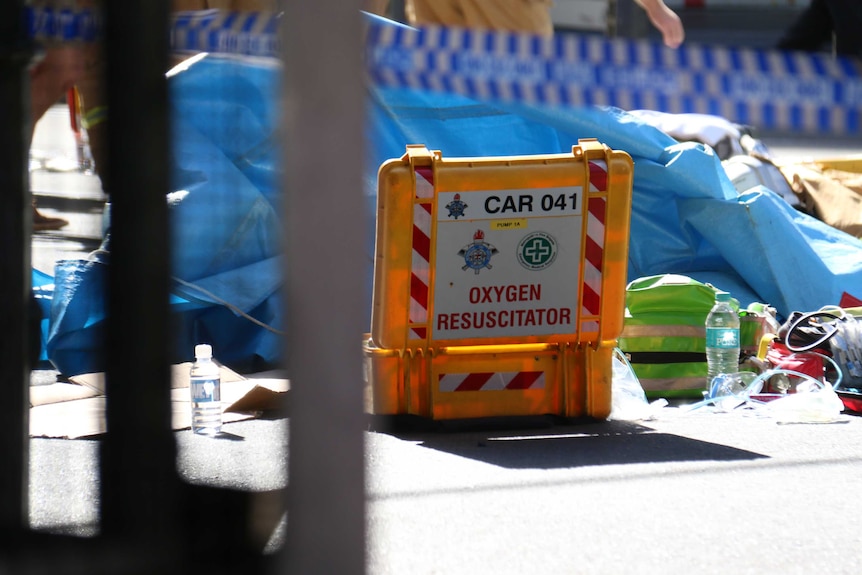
{"x": 595, "y": 242}
{"x": 491, "y": 381}
{"x": 421, "y": 258}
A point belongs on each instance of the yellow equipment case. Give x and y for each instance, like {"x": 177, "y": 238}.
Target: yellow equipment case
{"x": 499, "y": 283}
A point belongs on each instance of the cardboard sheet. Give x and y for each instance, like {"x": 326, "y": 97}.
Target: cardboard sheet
{"x": 77, "y": 409}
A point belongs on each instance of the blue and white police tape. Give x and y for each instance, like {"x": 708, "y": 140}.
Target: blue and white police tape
{"x": 218, "y": 31}
{"x": 771, "y": 90}
{"x": 49, "y": 24}
{"x": 241, "y": 33}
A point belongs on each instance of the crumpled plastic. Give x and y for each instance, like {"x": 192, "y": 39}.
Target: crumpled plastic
{"x": 815, "y": 406}
{"x": 812, "y": 401}
{"x": 628, "y": 399}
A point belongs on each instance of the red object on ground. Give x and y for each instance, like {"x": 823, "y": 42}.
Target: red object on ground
{"x": 848, "y": 300}
{"x": 852, "y": 401}
{"x": 807, "y": 363}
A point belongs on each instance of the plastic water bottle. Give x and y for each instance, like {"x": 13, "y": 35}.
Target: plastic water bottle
{"x": 205, "y": 388}
{"x": 722, "y": 338}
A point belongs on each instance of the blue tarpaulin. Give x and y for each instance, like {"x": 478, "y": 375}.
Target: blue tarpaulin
{"x": 687, "y": 218}
{"x": 226, "y": 229}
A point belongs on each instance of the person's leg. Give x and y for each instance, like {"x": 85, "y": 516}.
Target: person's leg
{"x": 532, "y": 16}
{"x": 435, "y": 12}
{"x": 93, "y": 99}
{"x": 50, "y": 79}
{"x": 811, "y": 31}
{"x": 846, "y": 17}
{"x": 514, "y": 15}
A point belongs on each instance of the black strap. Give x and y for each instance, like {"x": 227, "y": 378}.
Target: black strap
{"x": 659, "y": 357}
{"x": 805, "y": 335}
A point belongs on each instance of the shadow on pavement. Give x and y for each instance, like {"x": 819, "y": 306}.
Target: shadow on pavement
{"x": 554, "y": 443}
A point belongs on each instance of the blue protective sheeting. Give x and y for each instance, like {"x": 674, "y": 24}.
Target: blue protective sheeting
{"x": 226, "y": 230}
{"x": 226, "y": 244}
{"x": 43, "y": 290}
{"x": 686, "y": 216}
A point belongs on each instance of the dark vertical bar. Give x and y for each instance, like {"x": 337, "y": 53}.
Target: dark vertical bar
{"x": 627, "y": 20}
{"x": 15, "y": 228}
{"x": 321, "y": 43}
{"x": 138, "y": 478}
{"x": 396, "y": 11}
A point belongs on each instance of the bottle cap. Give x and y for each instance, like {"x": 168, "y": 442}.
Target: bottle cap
{"x": 203, "y": 351}
{"x": 722, "y": 296}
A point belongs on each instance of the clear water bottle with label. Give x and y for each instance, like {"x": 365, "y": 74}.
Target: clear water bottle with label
{"x": 722, "y": 338}
{"x": 205, "y": 387}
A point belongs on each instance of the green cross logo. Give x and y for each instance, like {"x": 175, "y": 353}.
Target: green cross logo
{"x": 537, "y": 250}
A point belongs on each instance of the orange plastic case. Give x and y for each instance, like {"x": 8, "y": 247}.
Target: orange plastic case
{"x": 499, "y": 283}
